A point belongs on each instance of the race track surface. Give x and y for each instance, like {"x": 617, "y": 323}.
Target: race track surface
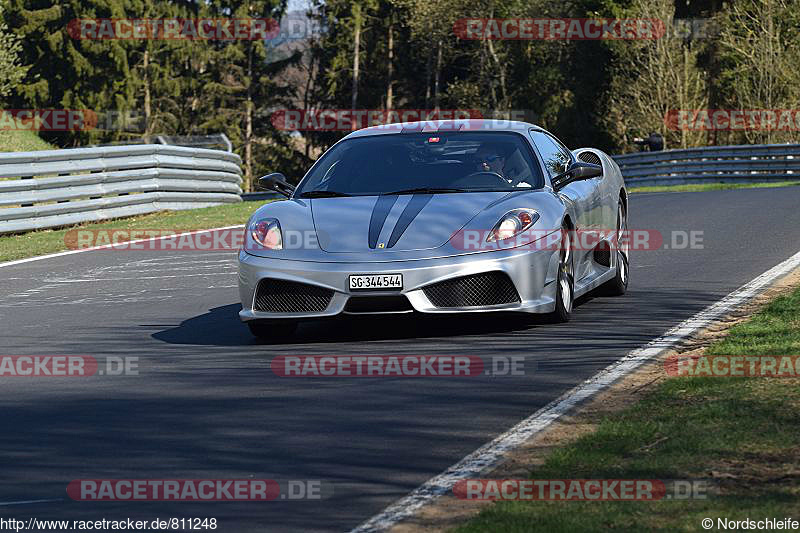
{"x": 206, "y": 404}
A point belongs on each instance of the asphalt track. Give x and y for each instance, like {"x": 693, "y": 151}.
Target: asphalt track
{"x": 206, "y": 405}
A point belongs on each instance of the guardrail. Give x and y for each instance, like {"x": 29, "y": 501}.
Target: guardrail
{"x": 53, "y": 188}
{"x": 743, "y": 164}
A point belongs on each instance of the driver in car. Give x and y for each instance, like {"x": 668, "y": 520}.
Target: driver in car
{"x": 491, "y": 158}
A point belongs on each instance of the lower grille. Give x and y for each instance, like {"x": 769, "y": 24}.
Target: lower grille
{"x": 283, "y": 296}
{"x": 396, "y": 303}
{"x": 489, "y": 288}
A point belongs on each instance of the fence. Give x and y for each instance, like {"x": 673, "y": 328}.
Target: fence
{"x": 53, "y": 188}
{"x": 743, "y": 164}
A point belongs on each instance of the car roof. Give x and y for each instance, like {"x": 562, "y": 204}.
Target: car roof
{"x": 432, "y": 126}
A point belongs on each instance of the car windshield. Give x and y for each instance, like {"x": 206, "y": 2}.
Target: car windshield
{"x": 424, "y": 163}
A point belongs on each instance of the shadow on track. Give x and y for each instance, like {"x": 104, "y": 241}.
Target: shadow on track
{"x": 221, "y": 327}
{"x": 594, "y": 324}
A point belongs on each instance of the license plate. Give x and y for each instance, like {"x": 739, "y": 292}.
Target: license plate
{"x": 362, "y": 282}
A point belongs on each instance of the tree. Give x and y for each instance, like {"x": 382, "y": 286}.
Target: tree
{"x": 760, "y": 54}
{"x": 69, "y": 73}
{"x": 165, "y": 74}
{"x": 239, "y": 84}
{"x": 654, "y": 77}
{"x": 11, "y": 71}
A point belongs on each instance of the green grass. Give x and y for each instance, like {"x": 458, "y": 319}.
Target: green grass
{"x": 22, "y": 141}
{"x": 744, "y": 433}
{"x": 713, "y": 186}
{"x": 773, "y": 331}
{"x": 50, "y": 241}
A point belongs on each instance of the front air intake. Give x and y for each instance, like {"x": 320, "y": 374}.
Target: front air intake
{"x": 477, "y": 290}
{"x": 284, "y": 296}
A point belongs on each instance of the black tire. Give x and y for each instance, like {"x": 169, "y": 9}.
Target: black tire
{"x": 268, "y": 330}
{"x": 565, "y": 282}
{"x": 619, "y": 284}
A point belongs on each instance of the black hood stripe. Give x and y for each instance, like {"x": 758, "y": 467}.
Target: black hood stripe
{"x": 412, "y": 209}
{"x": 379, "y": 213}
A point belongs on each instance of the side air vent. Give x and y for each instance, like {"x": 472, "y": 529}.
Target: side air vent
{"x": 602, "y": 254}
{"x": 590, "y": 157}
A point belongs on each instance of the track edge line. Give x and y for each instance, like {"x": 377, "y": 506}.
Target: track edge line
{"x": 490, "y": 454}
{"x": 107, "y": 246}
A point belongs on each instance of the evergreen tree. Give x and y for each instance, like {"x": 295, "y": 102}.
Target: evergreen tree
{"x": 69, "y": 73}
{"x": 11, "y": 71}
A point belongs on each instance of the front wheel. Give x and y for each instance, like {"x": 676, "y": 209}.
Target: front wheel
{"x": 267, "y": 330}
{"x": 565, "y": 283}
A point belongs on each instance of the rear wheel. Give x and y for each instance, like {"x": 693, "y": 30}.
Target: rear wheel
{"x": 618, "y": 285}
{"x": 565, "y": 283}
{"x": 272, "y": 329}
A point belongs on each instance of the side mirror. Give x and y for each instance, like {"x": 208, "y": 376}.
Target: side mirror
{"x": 276, "y": 182}
{"x": 576, "y": 172}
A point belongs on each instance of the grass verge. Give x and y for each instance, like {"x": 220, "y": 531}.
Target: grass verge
{"x": 742, "y": 433}
{"x": 713, "y": 186}
{"x": 21, "y": 140}
{"x": 49, "y": 241}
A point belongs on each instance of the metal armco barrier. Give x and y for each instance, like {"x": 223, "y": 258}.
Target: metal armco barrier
{"x": 53, "y": 188}
{"x": 742, "y": 164}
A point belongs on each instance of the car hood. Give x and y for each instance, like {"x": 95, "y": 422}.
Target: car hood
{"x": 395, "y": 222}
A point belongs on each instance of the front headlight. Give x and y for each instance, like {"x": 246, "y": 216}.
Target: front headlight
{"x": 264, "y": 234}
{"x": 513, "y": 223}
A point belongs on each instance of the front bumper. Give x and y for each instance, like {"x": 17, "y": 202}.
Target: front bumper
{"x": 532, "y": 273}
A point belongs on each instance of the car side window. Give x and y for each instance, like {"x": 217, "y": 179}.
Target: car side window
{"x": 564, "y": 149}
{"x": 555, "y": 156}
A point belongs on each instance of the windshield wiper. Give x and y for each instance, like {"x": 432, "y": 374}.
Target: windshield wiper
{"x": 424, "y": 190}
{"x": 323, "y": 194}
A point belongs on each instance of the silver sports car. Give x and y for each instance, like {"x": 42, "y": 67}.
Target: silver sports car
{"x": 452, "y": 217}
